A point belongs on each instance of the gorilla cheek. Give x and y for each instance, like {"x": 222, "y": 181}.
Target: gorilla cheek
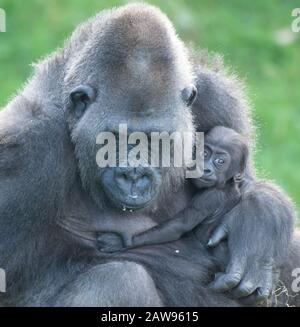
{"x": 131, "y": 187}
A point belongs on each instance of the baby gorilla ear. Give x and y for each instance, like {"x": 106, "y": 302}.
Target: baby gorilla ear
{"x": 80, "y": 98}
{"x": 189, "y": 94}
{"x": 238, "y": 177}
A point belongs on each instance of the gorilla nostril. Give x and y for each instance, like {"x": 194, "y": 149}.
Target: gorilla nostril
{"x": 143, "y": 183}
{"x": 207, "y": 171}
{"x": 134, "y": 182}
{"x": 122, "y": 180}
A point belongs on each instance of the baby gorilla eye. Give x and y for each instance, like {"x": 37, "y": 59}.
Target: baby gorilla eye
{"x": 219, "y": 161}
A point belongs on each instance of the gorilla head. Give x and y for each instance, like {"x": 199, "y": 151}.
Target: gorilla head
{"x": 138, "y": 75}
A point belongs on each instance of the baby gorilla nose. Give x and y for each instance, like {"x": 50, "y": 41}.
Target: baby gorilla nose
{"x": 134, "y": 181}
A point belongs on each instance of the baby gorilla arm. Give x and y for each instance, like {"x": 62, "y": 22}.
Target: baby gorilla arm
{"x": 203, "y": 205}
{"x": 208, "y": 204}
{"x": 172, "y": 229}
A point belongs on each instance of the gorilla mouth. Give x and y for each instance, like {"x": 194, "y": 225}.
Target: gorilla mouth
{"x": 131, "y": 188}
{"x": 130, "y": 202}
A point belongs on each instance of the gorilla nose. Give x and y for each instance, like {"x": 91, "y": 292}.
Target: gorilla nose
{"x": 134, "y": 181}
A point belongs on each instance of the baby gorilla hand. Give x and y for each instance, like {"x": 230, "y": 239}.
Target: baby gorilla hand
{"x": 251, "y": 272}
{"x": 109, "y": 242}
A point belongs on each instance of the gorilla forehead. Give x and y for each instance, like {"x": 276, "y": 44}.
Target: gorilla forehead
{"x": 226, "y": 138}
{"x": 131, "y": 43}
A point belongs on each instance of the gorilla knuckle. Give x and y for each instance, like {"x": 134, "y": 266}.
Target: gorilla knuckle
{"x": 245, "y": 289}
{"x": 234, "y": 278}
{"x": 263, "y": 295}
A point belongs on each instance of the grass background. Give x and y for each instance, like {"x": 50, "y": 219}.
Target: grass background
{"x": 254, "y": 36}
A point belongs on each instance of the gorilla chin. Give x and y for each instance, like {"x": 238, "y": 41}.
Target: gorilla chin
{"x": 204, "y": 182}
{"x": 131, "y": 188}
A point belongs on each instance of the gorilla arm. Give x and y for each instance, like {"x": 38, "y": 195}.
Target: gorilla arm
{"x": 266, "y": 225}
{"x": 208, "y": 204}
{"x": 205, "y": 205}
{"x": 268, "y": 213}
{"x": 33, "y": 180}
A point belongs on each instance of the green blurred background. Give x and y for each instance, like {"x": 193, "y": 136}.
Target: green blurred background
{"x": 255, "y": 38}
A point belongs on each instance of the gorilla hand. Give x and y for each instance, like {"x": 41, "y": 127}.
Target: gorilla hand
{"x": 259, "y": 231}
{"x": 109, "y": 242}
{"x": 251, "y": 271}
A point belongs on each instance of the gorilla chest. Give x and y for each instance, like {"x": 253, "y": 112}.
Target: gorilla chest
{"x": 87, "y": 224}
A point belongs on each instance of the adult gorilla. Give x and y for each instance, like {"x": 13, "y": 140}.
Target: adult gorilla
{"x": 123, "y": 66}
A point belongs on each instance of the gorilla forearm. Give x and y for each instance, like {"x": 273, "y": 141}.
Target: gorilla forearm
{"x": 33, "y": 180}
{"x": 259, "y": 232}
{"x": 204, "y": 205}
{"x": 268, "y": 215}
{"x": 275, "y": 216}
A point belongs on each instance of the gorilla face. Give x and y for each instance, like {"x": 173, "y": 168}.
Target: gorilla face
{"x": 129, "y": 188}
{"x": 142, "y": 80}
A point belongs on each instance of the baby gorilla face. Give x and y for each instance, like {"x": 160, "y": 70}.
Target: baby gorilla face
{"x": 216, "y": 165}
{"x": 225, "y": 157}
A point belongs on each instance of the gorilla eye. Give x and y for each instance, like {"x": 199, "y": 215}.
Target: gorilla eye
{"x": 205, "y": 153}
{"x": 81, "y": 97}
{"x": 189, "y": 94}
{"x": 219, "y": 161}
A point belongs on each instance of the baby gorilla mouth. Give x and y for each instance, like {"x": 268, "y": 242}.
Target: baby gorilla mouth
{"x": 131, "y": 188}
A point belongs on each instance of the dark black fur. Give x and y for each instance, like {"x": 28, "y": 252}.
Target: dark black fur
{"x": 53, "y": 200}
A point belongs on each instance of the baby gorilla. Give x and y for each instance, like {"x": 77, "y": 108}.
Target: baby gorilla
{"x": 225, "y": 158}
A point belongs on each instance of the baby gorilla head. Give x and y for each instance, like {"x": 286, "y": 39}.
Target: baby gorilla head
{"x": 225, "y": 157}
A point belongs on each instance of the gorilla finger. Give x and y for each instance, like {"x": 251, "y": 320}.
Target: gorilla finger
{"x": 244, "y": 289}
{"x": 110, "y": 249}
{"x": 263, "y": 292}
{"x": 109, "y": 242}
{"x": 109, "y": 237}
{"x": 232, "y": 277}
{"x": 259, "y": 296}
{"x": 218, "y": 235}
{"x": 225, "y": 282}
{"x": 262, "y": 282}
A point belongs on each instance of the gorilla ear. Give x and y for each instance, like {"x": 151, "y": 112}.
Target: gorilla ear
{"x": 238, "y": 178}
{"x": 81, "y": 96}
{"x": 243, "y": 164}
{"x": 189, "y": 95}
